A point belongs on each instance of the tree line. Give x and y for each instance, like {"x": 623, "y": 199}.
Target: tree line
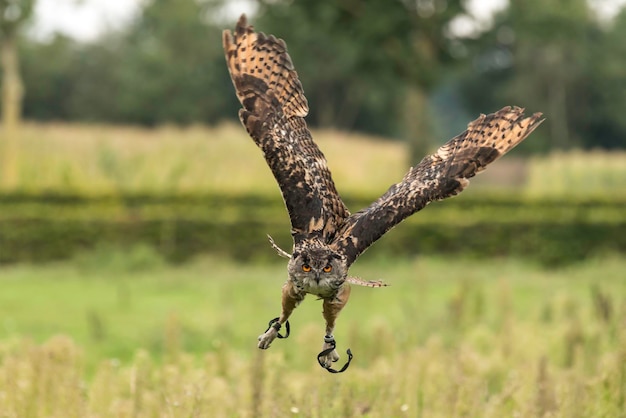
{"x": 395, "y": 68}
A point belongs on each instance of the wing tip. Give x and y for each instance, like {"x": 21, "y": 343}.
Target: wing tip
{"x": 242, "y": 27}
{"x": 242, "y": 24}
{"x": 518, "y": 116}
{"x": 534, "y": 121}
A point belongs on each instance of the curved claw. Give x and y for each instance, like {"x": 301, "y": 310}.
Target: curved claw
{"x": 329, "y": 350}
{"x": 266, "y": 339}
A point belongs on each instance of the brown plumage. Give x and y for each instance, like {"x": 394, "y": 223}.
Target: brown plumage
{"x": 443, "y": 174}
{"x": 327, "y": 238}
{"x": 273, "y": 113}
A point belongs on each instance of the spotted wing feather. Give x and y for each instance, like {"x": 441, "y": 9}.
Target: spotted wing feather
{"x": 438, "y": 176}
{"x": 274, "y": 107}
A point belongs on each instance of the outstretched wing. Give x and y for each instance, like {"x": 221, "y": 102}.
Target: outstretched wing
{"x": 438, "y": 176}
{"x": 273, "y": 113}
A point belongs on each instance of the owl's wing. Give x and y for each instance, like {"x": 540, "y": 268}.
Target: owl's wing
{"x": 273, "y": 113}
{"x": 438, "y": 176}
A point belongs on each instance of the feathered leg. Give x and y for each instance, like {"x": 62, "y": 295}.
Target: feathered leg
{"x": 332, "y": 307}
{"x": 291, "y": 299}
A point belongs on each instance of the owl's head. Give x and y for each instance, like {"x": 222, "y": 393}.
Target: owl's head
{"x": 317, "y": 270}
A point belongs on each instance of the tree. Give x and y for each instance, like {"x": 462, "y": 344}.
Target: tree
{"x": 558, "y": 58}
{"x": 174, "y": 67}
{"x": 368, "y": 64}
{"x": 50, "y": 69}
{"x": 550, "y": 59}
{"x": 13, "y": 13}
{"x": 166, "y": 66}
{"x": 606, "y": 105}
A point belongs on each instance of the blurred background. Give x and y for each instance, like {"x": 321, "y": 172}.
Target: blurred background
{"x": 122, "y": 116}
{"x": 134, "y": 208}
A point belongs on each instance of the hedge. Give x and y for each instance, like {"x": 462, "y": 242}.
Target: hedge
{"x": 37, "y": 228}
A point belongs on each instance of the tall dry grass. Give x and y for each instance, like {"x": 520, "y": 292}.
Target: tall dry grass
{"x": 463, "y": 339}
{"x": 428, "y": 381}
{"x": 578, "y": 173}
{"x": 101, "y": 159}
{"x": 95, "y": 159}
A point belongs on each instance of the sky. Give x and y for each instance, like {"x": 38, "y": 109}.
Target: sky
{"x": 81, "y": 19}
{"x": 86, "y": 19}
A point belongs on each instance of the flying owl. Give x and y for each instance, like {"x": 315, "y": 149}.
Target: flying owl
{"x": 327, "y": 238}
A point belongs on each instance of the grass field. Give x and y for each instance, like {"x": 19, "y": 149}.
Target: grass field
{"x": 97, "y": 159}
{"x": 123, "y": 335}
{"x": 108, "y": 159}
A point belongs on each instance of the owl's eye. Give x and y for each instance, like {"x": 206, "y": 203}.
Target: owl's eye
{"x": 306, "y": 268}
{"x": 328, "y": 268}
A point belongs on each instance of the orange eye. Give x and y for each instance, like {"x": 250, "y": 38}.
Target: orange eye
{"x": 306, "y": 268}
{"x": 328, "y": 268}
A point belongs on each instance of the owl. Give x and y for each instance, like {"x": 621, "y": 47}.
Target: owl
{"x": 327, "y": 238}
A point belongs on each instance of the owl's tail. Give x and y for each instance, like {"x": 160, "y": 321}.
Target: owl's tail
{"x": 367, "y": 283}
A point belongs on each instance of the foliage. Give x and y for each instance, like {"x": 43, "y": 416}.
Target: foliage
{"x": 167, "y": 66}
{"x": 13, "y": 14}
{"x": 189, "y": 191}
{"x": 155, "y": 72}
{"x": 401, "y": 69}
{"x": 371, "y": 51}
{"x": 43, "y": 228}
{"x": 497, "y": 339}
{"x": 604, "y": 113}
{"x": 559, "y": 58}
{"x": 174, "y": 70}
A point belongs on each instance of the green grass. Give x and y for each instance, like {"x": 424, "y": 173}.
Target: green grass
{"x": 124, "y": 335}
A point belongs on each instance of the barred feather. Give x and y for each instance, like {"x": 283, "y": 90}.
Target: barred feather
{"x": 273, "y": 113}
{"x": 438, "y": 176}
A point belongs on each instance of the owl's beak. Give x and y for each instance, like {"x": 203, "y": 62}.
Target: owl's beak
{"x": 317, "y": 278}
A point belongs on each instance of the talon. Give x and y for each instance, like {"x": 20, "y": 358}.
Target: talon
{"x": 329, "y": 354}
{"x": 265, "y": 339}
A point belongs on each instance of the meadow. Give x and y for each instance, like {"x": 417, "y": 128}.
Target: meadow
{"x": 100, "y": 159}
{"x": 122, "y": 332}
{"x": 122, "y": 335}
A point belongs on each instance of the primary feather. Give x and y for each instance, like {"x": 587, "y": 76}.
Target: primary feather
{"x": 438, "y": 176}
{"x": 273, "y": 113}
